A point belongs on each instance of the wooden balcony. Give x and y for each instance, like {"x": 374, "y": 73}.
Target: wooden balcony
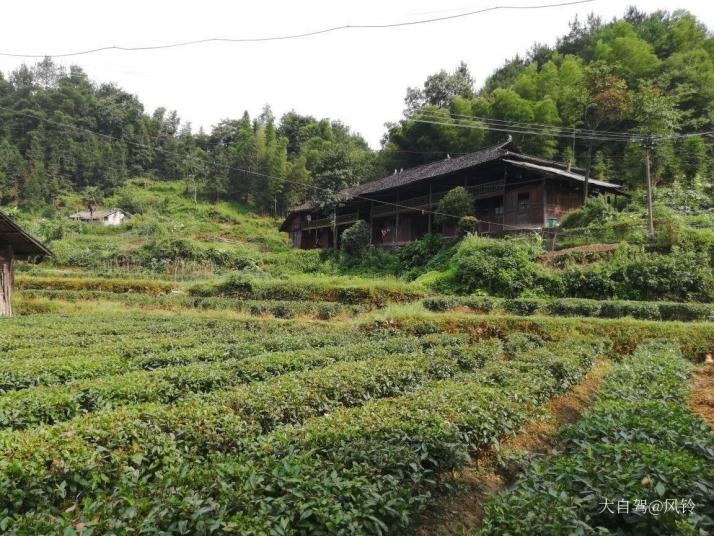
{"x": 342, "y": 219}
{"x": 406, "y": 205}
{"x": 487, "y": 189}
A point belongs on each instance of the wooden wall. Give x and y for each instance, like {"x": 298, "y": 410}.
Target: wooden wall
{"x": 6, "y": 281}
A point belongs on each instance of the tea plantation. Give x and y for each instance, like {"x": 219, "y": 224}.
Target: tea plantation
{"x": 123, "y": 420}
{"x": 209, "y": 380}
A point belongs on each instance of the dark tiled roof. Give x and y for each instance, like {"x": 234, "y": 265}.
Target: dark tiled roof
{"x": 425, "y": 171}
{"x": 23, "y": 244}
{"x": 452, "y": 165}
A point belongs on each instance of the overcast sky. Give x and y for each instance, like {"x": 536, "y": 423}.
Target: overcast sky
{"x": 357, "y": 76}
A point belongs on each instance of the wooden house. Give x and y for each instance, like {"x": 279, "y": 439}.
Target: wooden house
{"x": 15, "y": 244}
{"x": 511, "y": 191}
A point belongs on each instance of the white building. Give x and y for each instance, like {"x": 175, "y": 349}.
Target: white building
{"x": 109, "y": 217}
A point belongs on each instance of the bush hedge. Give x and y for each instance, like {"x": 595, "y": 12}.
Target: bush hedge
{"x": 366, "y": 462}
{"x": 142, "y": 286}
{"x": 637, "y": 444}
{"x": 695, "y": 340}
{"x": 239, "y": 286}
{"x": 51, "y": 404}
{"x": 577, "y": 307}
{"x": 29, "y": 301}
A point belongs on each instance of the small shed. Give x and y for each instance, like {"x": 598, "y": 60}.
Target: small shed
{"x": 15, "y": 244}
{"x": 109, "y": 217}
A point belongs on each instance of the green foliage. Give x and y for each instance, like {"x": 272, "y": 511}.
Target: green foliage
{"x": 596, "y": 211}
{"x": 355, "y": 239}
{"x": 151, "y": 287}
{"x": 242, "y": 286}
{"x": 456, "y": 204}
{"x": 267, "y": 162}
{"x": 498, "y": 267}
{"x": 686, "y": 312}
{"x": 429, "y": 253}
{"x": 468, "y": 224}
{"x": 679, "y": 275}
{"x": 648, "y": 73}
{"x": 620, "y": 451}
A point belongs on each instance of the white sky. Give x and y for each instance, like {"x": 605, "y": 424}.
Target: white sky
{"x": 357, "y": 76}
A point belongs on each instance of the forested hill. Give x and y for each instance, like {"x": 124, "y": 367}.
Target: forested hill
{"x": 645, "y": 74}
{"x": 649, "y": 74}
{"x": 61, "y": 133}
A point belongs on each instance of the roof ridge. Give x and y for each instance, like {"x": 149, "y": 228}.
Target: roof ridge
{"x": 415, "y": 169}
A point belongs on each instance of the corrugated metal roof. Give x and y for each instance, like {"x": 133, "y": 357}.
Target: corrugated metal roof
{"x": 562, "y": 173}
{"x": 97, "y": 214}
{"x": 23, "y": 244}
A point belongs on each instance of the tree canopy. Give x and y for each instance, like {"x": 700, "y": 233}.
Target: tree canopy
{"x": 650, "y": 74}
{"x": 61, "y": 133}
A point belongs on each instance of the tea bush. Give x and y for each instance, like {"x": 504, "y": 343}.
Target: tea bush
{"x": 576, "y": 307}
{"x": 680, "y": 275}
{"x": 621, "y": 451}
{"x": 150, "y": 287}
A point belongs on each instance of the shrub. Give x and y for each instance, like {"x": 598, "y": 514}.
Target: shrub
{"x": 142, "y": 286}
{"x": 635, "y": 275}
{"x": 456, "y": 204}
{"x": 468, "y": 224}
{"x": 686, "y": 311}
{"x": 498, "y": 267}
{"x": 440, "y": 304}
{"x": 618, "y": 309}
{"x": 596, "y": 211}
{"x": 575, "y": 307}
{"x": 480, "y": 304}
{"x": 282, "y": 310}
{"x": 524, "y": 306}
{"x": 355, "y": 239}
{"x": 429, "y": 253}
{"x": 638, "y": 443}
{"x": 518, "y": 343}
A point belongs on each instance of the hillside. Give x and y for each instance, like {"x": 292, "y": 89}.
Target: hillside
{"x": 187, "y": 372}
{"x": 580, "y": 101}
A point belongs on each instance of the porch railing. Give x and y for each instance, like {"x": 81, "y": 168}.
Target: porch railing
{"x": 342, "y": 219}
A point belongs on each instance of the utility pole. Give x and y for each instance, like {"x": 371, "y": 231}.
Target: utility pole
{"x": 650, "y": 221}
{"x": 334, "y": 227}
{"x": 586, "y": 185}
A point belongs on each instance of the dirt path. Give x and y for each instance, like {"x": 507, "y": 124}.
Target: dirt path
{"x": 463, "y": 508}
{"x": 702, "y": 399}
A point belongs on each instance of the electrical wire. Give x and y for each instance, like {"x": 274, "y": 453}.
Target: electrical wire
{"x": 302, "y": 35}
{"x": 524, "y": 124}
{"x": 567, "y": 132}
{"x": 259, "y": 174}
{"x": 528, "y": 132}
{"x": 529, "y": 128}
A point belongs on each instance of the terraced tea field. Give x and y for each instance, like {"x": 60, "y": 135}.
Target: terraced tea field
{"x": 126, "y": 421}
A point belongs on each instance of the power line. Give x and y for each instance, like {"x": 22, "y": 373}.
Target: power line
{"x": 524, "y": 124}
{"x": 302, "y": 35}
{"x": 526, "y": 128}
{"x": 528, "y": 132}
{"x": 520, "y": 127}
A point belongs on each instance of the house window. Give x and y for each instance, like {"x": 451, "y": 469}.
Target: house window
{"x": 523, "y": 199}
{"x": 498, "y": 210}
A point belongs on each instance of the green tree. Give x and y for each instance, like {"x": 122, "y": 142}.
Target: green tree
{"x": 456, "y": 204}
